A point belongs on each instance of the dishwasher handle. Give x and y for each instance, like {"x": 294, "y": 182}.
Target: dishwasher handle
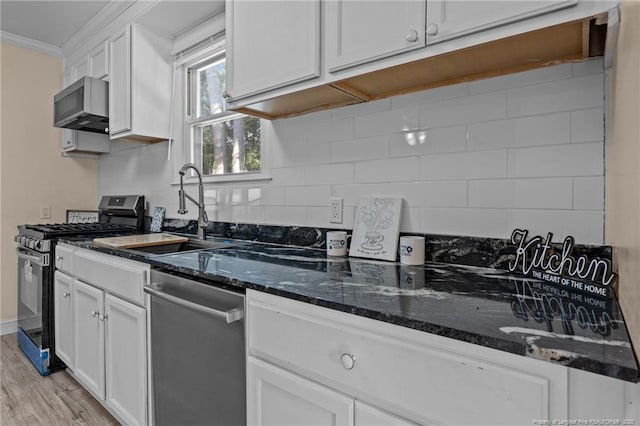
{"x": 232, "y": 315}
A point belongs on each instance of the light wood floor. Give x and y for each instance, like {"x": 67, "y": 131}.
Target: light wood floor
{"x": 26, "y": 398}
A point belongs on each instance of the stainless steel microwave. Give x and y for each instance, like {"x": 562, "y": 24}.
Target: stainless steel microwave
{"x": 84, "y": 105}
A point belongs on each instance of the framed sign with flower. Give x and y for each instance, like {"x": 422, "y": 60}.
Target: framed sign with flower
{"x": 376, "y": 228}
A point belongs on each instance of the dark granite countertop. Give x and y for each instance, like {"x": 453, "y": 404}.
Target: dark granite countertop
{"x": 483, "y": 306}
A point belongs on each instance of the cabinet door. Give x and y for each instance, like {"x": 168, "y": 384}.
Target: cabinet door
{"x": 88, "y": 355}
{"x": 271, "y": 44}
{"x": 79, "y": 70}
{"x": 447, "y": 19}
{"x": 126, "y": 366}
{"x": 361, "y": 31}
{"x": 366, "y": 415}
{"x": 278, "y": 397}
{"x": 99, "y": 61}
{"x": 120, "y": 82}
{"x": 63, "y": 317}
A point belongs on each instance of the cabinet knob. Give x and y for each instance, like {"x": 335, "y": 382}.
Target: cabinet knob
{"x": 59, "y": 258}
{"x": 66, "y": 294}
{"x": 226, "y": 95}
{"x": 432, "y": 29}
{"x": 412, "y": 36}
{"x": 102, "y": 317}
{"x": 348, "y": 361}
{"x": 94, "y": 313}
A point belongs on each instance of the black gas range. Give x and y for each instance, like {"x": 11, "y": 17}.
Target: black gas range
{"x": 36, "y": 248}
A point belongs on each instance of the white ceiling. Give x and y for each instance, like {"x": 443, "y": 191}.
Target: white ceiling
{"x": 54, "y": 22}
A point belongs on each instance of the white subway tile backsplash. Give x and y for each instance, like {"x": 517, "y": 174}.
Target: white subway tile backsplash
{"x": 329, "y": 131}
{"x": 587, "y": 125}
{"x": 298, "y": 154}
{"x": 287, "y": 176}
{"x": 546, "y": 129}
{"x": 394, "y": 170}
{"x": 429, "y": 96}
{"x": 307, "y": 195}
{"x": 285, "y": 215}
{"x": 387, "y": 122}
{"x": 410, "y": 219}
{"x": 329, "y": 173}
{"x": 464, "y": 165}
{"x": 470, "y": 109}
{"x": 465, "y": 221}
{"x": 587, "y": 227}
{"x": 266, "y": 196}
{"x": 588, "y": 193}
{"x": 584, "y": 159}
{"x": 525, "y": 78}
{"x": 360, "y": 149}
{"x": 561, "y": 95}
{"x": 415, "y": 194}
{"x": 554, "y": 193}
{"x": 440, "y": 194}
{"x": 428, "y": 141}
{"x": 475, "y": 159}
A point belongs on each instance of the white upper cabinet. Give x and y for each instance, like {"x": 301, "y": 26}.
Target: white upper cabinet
{"x": 99, "y": 61}
{"x": 358, "y": 31}
{"x": 271, "y": 44}
{"x": 447, "y": 19}
{"x": 80, "y": 69}
{"x": 139, "y": 85}
{"x": 120, "y": 82}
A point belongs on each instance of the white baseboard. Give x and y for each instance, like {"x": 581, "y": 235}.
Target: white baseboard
{"x": 8, "y": 326}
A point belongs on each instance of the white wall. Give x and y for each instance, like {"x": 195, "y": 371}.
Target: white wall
{"x": 479, "y": 159}
{"x": 32, "y": 171}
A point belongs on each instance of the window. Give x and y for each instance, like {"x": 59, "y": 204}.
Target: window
{"x": 221, "y": 142}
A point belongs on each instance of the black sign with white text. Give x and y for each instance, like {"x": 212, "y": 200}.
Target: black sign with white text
{"x": 538, "y": 258}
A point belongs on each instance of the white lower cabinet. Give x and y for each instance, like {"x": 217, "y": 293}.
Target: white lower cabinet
{"x": 305, "y": 358}
{"x": 109, "y": 322}
{"x": 63, "y": 317}
{"x": 125, "y": 353}
{"x": 366, "y": 415}
{"x": 278, "y": 397}
{"x": 89, "y": 337}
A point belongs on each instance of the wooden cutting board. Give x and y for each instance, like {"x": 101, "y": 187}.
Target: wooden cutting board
{"x": 141, "y": 240}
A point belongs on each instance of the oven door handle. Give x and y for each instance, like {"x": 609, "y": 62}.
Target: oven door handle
{"x": 25, "y": 254}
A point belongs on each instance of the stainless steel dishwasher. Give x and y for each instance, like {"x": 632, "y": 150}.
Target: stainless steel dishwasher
{"x": 197, "y": 352}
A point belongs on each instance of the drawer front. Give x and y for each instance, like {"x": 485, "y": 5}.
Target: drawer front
{"x": 121, "y": 277}
{"x": 415, "y": 379}
{"x": 64, "y": 258}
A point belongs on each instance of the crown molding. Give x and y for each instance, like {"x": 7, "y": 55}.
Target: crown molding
{"x": 107, "y": 16}
{"x": 31, "y": 44}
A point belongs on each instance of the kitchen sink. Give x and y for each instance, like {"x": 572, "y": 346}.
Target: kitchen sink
{"x": 190, "y": 245}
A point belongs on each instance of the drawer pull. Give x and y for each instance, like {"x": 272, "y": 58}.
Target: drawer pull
{"x": 348, "y": 361}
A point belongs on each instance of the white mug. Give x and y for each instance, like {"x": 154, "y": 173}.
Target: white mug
{"x": 337, "y": 243}
{"x": 412, "y": 250}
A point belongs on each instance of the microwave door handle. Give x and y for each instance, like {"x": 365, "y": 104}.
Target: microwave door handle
{"x": 25, "y": 255}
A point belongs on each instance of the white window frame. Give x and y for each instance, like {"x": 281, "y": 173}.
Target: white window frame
{"x": 189, "y": 124}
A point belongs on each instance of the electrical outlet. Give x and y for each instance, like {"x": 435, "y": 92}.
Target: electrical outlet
{"x": 45, "y": 211}
{"x": 335, "y": 210}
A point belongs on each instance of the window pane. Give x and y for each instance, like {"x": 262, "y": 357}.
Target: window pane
{"x": 210, "y": 83}
{"x": 231, "y": 146}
